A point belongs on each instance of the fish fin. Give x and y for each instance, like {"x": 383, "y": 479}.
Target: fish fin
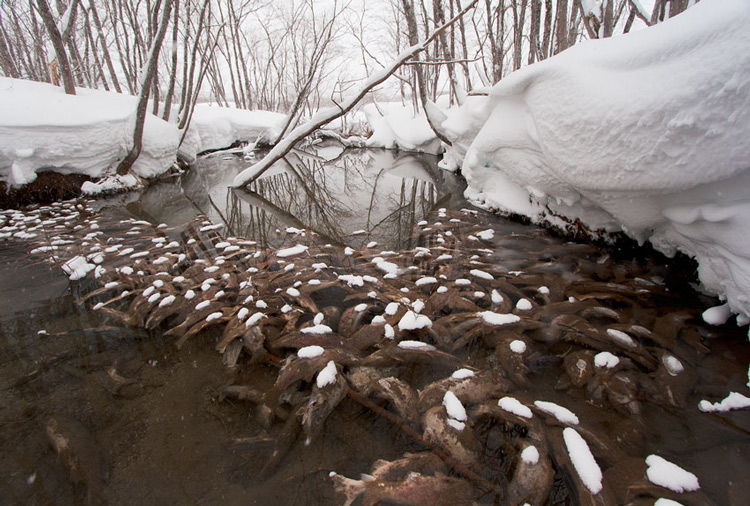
{"x": 349, "y": 487}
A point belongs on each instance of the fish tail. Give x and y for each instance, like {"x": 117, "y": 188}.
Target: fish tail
{"x": 349, "y": 487}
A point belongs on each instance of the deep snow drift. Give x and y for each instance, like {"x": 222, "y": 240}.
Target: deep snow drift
{"x": 644, "y": 133}
{"x": 89, "y": 133}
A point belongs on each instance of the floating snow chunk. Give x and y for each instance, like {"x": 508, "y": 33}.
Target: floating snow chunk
{"x": 261, "y": 304}
{"x": 442, "y": 289}
{"x": 459, "y": 426}
{"x": 486, "y": 234}
{"x": 583, "y": 461}
{"x": 202, "y": 305}
{"x": 214, "y": 316}
{"x": 517, "y": 346}
{"x": 734, "y": 400}
{"x": 318, "y": 319}
{"x": 310, "y": 351}
{"x": 668, "y": 475}
{"x": 672, "y": 364}
{"x": 606, "y": 360}
{"x": 77, "y": 267}
{"x": 415, "y": 345}
{"x": 327, "y": 375}
{"x": 111, "y": 284}
{"x": 462, "y": 282}
{"x": 352, "y": 280}
{"x": 543, "y": 290}
{"x": 255, "y": 318}
{"x": 562, "y": 413}
{"x": 391, "y": 309}
{"x": 158, "y": 283}
{"x": 348, "y": 251}
{"x": 371, "y": 244}
{"x": 414, "y": 321}
{"x": 317, "y": 329}
{"x": 422, "y": 223}
{"x": 189, "y": 294}
{"x": 481, "y": 274}
{"x": 370, "y": 279}
{"x": 479, "y": 295}
{"x": 212, "y": 268}
{"x": 98, "y": 305}
{"x": 513, "y": 405}
{"x": 378, "y": 319}
{"x": 360, "y": 307}
{"x": 498, "y": 318}
{"x": 523, "y": 304}
{"x": 621, "y": 338}
{"x": 319, "y": 265}
{"x": 169, "y": 299}
{"x": 462, "y": 374}
{"x": 444, "y": 256}
{"x": 313, "y": 282}
{"x": 454, "y": 407}
{"x": 530, "y": 455}
{"x": 290, "y": 252}
{"x": 359, "y": 232}
{"x": 292, "y": 230}
{"x": 222, "y": 245}
{"x": 388, "y": 331}
{"x": 293, "y": 292}
{"x": 717, "y": 315}
{"x": 425, "y": 281}
{"x": 286, "y": 308}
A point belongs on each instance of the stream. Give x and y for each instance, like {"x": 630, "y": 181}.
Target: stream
{"x": 412, "y": 285}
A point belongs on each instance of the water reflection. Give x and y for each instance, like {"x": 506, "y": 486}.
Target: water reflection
{"x": 348, "y": 197}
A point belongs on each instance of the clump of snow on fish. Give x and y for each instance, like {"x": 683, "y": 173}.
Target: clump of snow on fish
{"x": 327, "y": 375}
{"x": 513, "y": 405}
{"x": 414, "y": 321}
{"x": 77, "y": 267}
{"x": 583, "y": 461}
{"x": 562, "y": 413}
{"x": 668, "y": 475}
{"x": 734, "y": 400}
{"x": 493, "y": 318}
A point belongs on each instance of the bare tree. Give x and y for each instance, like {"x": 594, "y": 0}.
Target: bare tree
{"x": 140, "y": 118}
{"x": 57, "y": 43}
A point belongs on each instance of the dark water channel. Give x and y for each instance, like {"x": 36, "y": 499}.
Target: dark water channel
{"x": 148, "y": 422}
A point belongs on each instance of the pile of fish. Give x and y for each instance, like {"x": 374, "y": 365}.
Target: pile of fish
{"x": 458, "y": 342}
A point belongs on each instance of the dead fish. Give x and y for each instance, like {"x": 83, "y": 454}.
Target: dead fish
{"x": 620, "y": 388}
{"x": 513, "y": 364}
{"x": 579, "y": 367}
{"x": 402, "y": 396}
{"x": 323, "y": 401}
{"x": 533, "y": 475}
{"x": 78, "y": 450}
{"x": 425, "y": 463}
{"x": 472, "y": 389}
{"x": 449, "y": 302}
{"x": 367, "y": 336}
{"x": 297, "y": 340}
{"x": 414, "y": 490}
{"x": 459, "y": 443}
{"x": 396, "y": 355}
{"x": 364, "y": 380}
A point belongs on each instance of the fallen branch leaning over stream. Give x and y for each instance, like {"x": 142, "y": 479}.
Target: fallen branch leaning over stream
{"x": 325, "y": 116}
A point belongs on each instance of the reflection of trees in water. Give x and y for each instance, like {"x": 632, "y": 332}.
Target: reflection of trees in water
{"x": 332, "y": 197}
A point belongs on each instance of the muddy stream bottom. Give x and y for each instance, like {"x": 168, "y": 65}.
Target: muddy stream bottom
{"x": 266, "y": 352}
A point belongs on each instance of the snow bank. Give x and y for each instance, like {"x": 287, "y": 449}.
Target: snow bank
{"x": 214, "y": 127}
{"x": 644, "y": 133}
{"x": 396, "y": 127}
{"x": 42, "y": 128}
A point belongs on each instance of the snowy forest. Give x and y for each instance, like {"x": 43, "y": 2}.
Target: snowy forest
{"x": 446, "y": 252}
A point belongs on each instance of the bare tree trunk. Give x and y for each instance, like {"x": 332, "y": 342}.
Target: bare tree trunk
{"x": 140, "y": 118}
{"x": 562, "y": 26}
{"x": 57, "y": 43}
{"x": 173, "y": 74}
{"x": 608, "y": 24}
{"x": 411, "y": 23}
{"x": 519, "y": 17}
{"x": 536, "y": 16}
{"x": 547, "y": 29}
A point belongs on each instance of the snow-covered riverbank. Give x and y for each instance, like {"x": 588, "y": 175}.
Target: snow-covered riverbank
{"x": 42, "y": 128}
{"x": 644, "y": 133}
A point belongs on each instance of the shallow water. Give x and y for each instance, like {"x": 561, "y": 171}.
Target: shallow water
{"x": 148, "y": 422}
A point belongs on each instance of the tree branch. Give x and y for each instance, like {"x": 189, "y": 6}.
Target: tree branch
{"x": 325, "y": 116}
